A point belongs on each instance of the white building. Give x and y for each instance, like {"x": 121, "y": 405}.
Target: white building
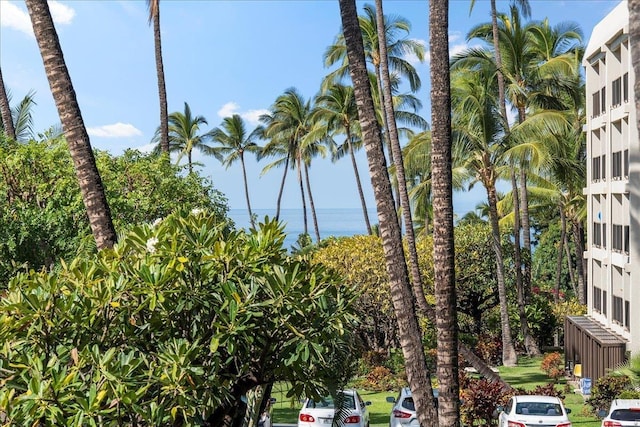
{"x": 610, "y": 331}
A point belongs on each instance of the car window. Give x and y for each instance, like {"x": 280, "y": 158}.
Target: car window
{"x": 538, "y": 408}
{"x": 346, "y": 401}
{"x": 408, "y": 404}
{"x": 507, "y": 408}
{"x": 625, "y": 415}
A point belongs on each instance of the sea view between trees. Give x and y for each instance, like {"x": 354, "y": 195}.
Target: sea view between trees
{"x": 332, "y": 221}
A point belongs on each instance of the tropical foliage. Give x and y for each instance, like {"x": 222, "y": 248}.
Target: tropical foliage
{"x": 42, "y": 218}
{"x": 172, "y": 327}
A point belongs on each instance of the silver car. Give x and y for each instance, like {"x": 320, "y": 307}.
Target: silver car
{"x": 403, "y": 413}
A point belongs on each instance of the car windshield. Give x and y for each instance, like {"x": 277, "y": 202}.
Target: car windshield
{"x": 343, "y": 400}
{"x": 538, "y": 408}
{"x": 626, "y": 414}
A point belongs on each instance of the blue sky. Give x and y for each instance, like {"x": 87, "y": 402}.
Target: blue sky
{"x": 222, "y": 57}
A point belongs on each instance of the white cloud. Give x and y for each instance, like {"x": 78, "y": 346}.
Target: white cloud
{"x": 61, "y": 14}
{"x": 12, "y": 16}
{"x": 117, "y": 130}
{"x": 228, "y": 110}
{"x": 253, "y": 116}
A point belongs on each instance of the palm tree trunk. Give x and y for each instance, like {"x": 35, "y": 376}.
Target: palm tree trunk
{"x": 563, "y": 237}
{"x": 5, "y": 111}
{"x": 93, "y": 194}
{"x": 281, "y": 191}
{"x": 394, "y": 144}
{"x": 363, "y": 202}
{"x": 246, "y": 190}
{"x": 529, "y": 342}
{"x": 304, "y": 199}
{"x": 314, "y": 217}
{"x": 154, "y": 14}
{"x": 442, "y": 194}
{"x": 572, "y": 276}
{"x": 578, "y": 240}
{"x": 401, "y": 294}
{"x": 509, "y": 357}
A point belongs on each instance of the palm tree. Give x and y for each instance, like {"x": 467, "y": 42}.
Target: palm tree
{"x": 336, "y": 106}
{"x": 442, "y": 192}
{"x": 403, "y": 302}
{"x": 478, "y": 128}
{"x": 5, "y": 111}
{"x": 289, "y": 124}
{"x": 398, "y": 47}
{"x": 394, "y": 143}
{"x": 234, "y": 143}
{"x": 154, "y": 15}
{"x": 75, "y": 132}
{"x": 185, "y": 136}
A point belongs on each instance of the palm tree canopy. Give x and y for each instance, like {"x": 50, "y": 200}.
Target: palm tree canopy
{"x": 234, "y": 140}
{"x": 399, "y": 47}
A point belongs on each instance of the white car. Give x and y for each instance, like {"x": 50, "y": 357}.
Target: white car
{"x": 623, "y": 413}
{"x": 533, "y": 410}
{"x": 348, "y": 405}
{"x": 403, "y": 413}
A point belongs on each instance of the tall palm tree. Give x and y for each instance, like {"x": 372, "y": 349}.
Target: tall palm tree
{"x": 75, "y": 131}
{"x": 394, "y": 143}
{"x": 443, "y": 241}
{"x": 5, "y": 111}
{"x": 185, "y": 136}
{"x": 154, "y": 15}
{"x": 289, "y": 126}
{"x": 403, "y": 301}
{"x": 337, "y": 107}
{"x": 234, "y": 142}
{"x": 278, "y": 147}
{"x": 398, "y": 47}
{"x": 478, "y": 128}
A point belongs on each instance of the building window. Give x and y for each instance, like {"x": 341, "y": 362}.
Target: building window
{"x": 597, "y": 299}
{"x": 625, "y": 163}
{"x": 604, "y": 302}
{"x": 616, "y": 92}
{"x": 625, "y": 87}
{"x": 595, "y": 169}
{"x": 603, "y": 167}
{"x": 616, "y": 165}
{"x": 617, "y": 242}
{"x": 604, "y": 234}
{"x": 617, "y": 310}
{"x": 625, "y": 239}
{"x": 597, "y": 234}
{"x": 627, "y": 316}
{"x": 603, "y": 100}
{"x": 595, "y": 98}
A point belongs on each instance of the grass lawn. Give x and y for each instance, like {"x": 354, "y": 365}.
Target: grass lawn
{"x": 526, "y": 375}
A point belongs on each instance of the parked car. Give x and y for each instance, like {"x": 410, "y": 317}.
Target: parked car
{"x": 348, "y": 405}
{"x": 533, "y": 410}
{"x": 403, "y": 413}
{"x": 622, "y": 413}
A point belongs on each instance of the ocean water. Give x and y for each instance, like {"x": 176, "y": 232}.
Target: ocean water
{"x": 331, "y": 222}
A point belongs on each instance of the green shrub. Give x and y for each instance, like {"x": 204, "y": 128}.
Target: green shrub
{"x": 605, "y": 389}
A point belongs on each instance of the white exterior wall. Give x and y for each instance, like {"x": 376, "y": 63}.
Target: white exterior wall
{"x": 613, "y": 194}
